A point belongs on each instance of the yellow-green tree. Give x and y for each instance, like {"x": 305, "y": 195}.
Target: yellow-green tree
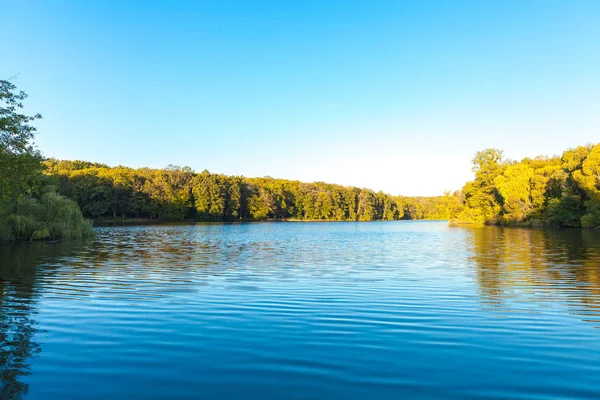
{"x": 514, "y": 185}
{"x": 482, "y": 202}
{"x": 588, "y": 178}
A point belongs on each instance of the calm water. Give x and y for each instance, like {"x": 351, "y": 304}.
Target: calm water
{"x": 383, "y": 310}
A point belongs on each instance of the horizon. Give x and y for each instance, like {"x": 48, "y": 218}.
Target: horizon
{"x": 390, "y": 96}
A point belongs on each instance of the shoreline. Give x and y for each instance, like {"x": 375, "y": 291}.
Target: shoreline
{"x": 141, "y": 221}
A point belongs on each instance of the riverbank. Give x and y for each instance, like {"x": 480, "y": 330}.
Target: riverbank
{"x": 102, "y": 222}
{"x": 537, "y": 224}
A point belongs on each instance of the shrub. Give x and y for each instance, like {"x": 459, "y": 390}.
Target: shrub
{"x": 52, "y": 216}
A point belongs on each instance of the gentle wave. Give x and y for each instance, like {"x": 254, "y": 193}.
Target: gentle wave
{"x": 303, "y": 310}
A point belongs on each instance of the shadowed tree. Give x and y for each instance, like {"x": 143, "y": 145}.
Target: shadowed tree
{"x": 19, "y": 160}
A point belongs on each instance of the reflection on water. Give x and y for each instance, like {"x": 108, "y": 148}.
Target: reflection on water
{"x": 303, "y": 310}
{"x": 18, "y": 297}
{"x": 525, "y": 265}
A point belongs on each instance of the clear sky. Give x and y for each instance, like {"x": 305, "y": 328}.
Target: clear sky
{"x": 391, "y": 95}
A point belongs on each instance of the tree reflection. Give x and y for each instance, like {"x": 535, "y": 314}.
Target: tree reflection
{"x": 17, "y": 323}
{"x": 540, "y": 266}
{"x": 18, "y": 299}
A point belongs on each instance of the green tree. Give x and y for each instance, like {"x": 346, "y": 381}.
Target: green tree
{"x": 261, "y": 204}
{"x": 588, "y": 178}
{"x": 29, "y": 208}
{"x": 20, "y": 162}
{"x": 514, "y": 185}
{"x": 366, "y": 205}
{"x": 482, "y": 200}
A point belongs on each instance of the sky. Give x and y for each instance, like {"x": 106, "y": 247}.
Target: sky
{"x": 389, "y": 95}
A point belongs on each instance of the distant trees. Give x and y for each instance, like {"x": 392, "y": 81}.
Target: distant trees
{"x": 561, "y": 191}
{"x": 176, "y": 194}
{"x": 49, "y": 199}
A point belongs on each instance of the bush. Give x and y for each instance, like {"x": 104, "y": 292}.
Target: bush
{"x": 5, "y": 230}
{"x": 565, "y": 212}
{"x": 52, "y": 216}
{"x": 592, "y": 218}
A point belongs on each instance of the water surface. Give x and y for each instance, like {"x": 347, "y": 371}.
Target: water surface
{"x": 303, "y": 311}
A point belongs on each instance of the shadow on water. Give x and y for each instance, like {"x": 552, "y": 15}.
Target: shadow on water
{"x": 19, "y": 294}
{"x": 517, "y": 266}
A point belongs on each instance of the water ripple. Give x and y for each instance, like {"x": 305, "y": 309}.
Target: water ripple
{"x": 303, "y": 310}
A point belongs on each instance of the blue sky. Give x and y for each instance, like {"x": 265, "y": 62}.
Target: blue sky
{"x": 390, "y": 95}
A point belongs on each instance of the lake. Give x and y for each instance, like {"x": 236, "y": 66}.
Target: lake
{"x": 377, "y": 310}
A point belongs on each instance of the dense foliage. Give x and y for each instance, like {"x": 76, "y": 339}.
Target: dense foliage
{"x": 29, "y": 208}
{"x": 176, "y": 194}
{"x": 559, "y": 191}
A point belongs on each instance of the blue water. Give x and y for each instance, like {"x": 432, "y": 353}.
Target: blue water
{"x": 382, "y": 310}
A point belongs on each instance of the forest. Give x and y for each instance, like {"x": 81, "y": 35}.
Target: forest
{"x": 561, "y": 191}
{"x": 180, "y": 194}
{"x": 45, "y": 198}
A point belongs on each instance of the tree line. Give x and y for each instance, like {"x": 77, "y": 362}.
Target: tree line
{"x": 51, "y": 199}
{"x": 543, "y": 191}
{"x": 177, "y": 194}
